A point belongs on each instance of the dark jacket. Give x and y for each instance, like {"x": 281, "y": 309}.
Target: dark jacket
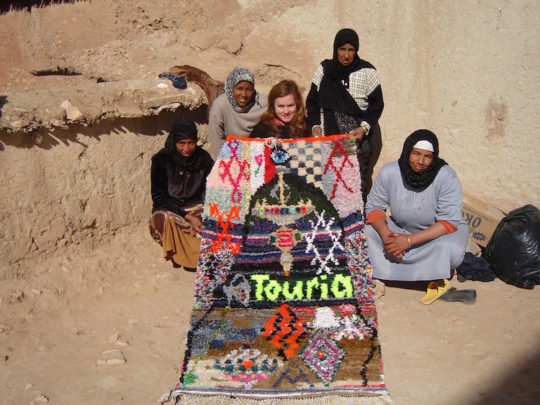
{"x": 261, "y": 130}
{"x": 173, "y": 186}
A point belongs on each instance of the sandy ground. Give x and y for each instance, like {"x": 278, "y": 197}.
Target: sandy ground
{"x": 59, "y": 326}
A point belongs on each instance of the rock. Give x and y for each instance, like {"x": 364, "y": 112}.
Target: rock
{"x": 111, "y": 358}
{"x": 72, "y": 112}
{"x": 39, "y": 399}
{"x": 116, "y": 338}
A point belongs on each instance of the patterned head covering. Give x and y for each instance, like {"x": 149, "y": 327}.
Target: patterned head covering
{"x": 411, "y": 179}
{"x": 237, "y": 75}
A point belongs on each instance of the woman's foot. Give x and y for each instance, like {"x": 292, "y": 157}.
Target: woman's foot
{"x": 434, "y": 291}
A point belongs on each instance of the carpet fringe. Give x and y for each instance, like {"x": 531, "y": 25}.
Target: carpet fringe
{"x": 191, "y": 399}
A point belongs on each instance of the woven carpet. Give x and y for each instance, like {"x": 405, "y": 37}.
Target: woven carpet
{"x": 283, "y": 299}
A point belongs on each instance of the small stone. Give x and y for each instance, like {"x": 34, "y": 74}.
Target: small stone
{"x": 58, "y": 123}
{"x": 39, "y": 399}
{"x": 27, "y": 386}
{"x": 37, "y": 138}
{"x": 17, "y": 124}
{"x": 111, "y": 358}
{"x": 72, "y": 112}
{"x": 116, "y": 338}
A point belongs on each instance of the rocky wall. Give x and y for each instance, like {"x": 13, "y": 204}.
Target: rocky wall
{"x": 79, "y": 185}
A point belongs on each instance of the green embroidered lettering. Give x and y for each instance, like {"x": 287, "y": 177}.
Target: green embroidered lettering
{"x": 259, "y": 279}
{"x": 272, "y": 290}
{"x": 345, "y": 282}
{"x": 324, "y": 287}
{"x": 296, "y": 294}
{"x": 313, "y": 283}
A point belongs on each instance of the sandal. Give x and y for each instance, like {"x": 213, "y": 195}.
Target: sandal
{"x": 434, "y": 291}
{"x": 464, "y": 296}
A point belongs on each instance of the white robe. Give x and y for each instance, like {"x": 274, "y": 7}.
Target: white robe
{"x": 411, "y": 212}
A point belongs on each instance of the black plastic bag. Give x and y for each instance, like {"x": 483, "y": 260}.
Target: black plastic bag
{"x": 514, "y": 249}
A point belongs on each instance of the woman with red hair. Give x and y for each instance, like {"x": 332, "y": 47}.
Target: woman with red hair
{"x": 285, "y": 116}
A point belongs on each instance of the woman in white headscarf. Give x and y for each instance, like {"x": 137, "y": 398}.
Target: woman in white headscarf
{"x": 425, "y": 235}
{"x": 236, "y": 111}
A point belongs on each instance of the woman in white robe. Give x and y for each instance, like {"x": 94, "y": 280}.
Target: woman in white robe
{"x": 424, "y": 236}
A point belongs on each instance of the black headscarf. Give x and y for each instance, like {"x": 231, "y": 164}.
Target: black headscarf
{"x": 419, "y": 181}
{"x": 183, "y": 128}
{"x": 345, "y": 36}
{"x": 333, "y": 94}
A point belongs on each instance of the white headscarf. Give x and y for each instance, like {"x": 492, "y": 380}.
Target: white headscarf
{"x": 425, "y": 145}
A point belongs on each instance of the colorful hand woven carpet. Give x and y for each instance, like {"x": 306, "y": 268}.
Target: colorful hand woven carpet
{"x": 283, "y": 299}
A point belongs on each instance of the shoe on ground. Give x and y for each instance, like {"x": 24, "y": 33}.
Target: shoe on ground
{"x": 434, "y": 291}
{"x": 464, "y": 296}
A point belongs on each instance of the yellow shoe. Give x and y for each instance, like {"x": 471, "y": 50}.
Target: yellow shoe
{"x": 434, "y": 291}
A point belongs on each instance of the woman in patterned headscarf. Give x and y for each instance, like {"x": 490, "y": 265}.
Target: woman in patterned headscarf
{"x": 425, "y": 236}
{"x": 346, "y": 97}
{"x": 178, "y": 185}
{"x": 236, "y": 111}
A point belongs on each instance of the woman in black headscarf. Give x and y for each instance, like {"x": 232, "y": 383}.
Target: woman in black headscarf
{"x": 425, "y": 235}
{"x": 346, "y": 97}
{"x": 178, "y": 185}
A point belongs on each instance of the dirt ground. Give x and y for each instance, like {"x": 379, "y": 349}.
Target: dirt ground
{"x": 63, "y": 316}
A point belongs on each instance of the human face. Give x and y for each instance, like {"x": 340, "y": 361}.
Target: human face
{"x": 243, "y": 93}
{"x": 285, "y": 108}
{"x": 186, "y": 147}
{"x": 420, "y": 160}
{"x": 345, "y": 54}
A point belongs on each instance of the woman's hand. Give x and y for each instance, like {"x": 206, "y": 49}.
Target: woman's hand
{"x": 358, "y": 133}
{"x": 194, "y": 221}
{"x": 397, "y": 244}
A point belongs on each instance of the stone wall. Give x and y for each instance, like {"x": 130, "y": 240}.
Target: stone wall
{"x": 79, "y": 185}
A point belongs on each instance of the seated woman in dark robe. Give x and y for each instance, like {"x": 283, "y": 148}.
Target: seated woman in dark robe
{"x": 285, "y": 116}
{"x": 178, "y": 185}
